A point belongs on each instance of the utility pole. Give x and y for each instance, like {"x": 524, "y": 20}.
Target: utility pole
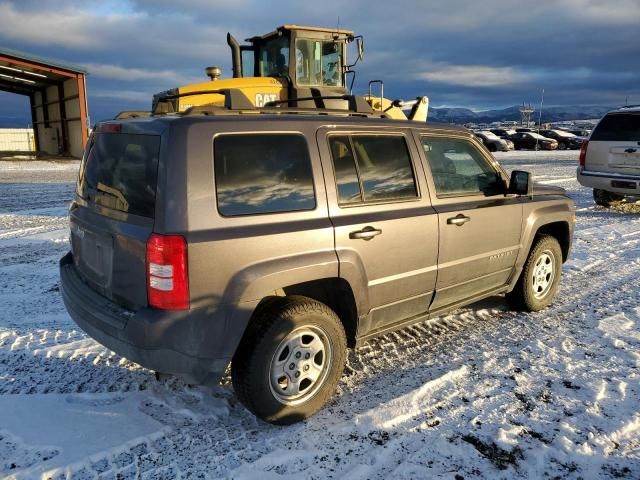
{"x": 540, "y": 118}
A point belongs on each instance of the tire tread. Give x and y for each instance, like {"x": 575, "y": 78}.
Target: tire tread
{"x": 257, "y": 335}
{"x": 520, "y": 298}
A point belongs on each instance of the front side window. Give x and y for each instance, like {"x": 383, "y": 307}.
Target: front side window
{"x": 458, "y": 168}
{"x": 372, "y": 168}
{"x": 262, "y": 173}
{"x": 318, "y": 63}
{"x": 273, "y": 57}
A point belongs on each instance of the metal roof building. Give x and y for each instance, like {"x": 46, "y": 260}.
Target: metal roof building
{"x": 58, "y": 99}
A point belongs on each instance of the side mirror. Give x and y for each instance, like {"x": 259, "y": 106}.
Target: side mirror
{"x": 360, "y": 47}
{"x": 521, "y": 183}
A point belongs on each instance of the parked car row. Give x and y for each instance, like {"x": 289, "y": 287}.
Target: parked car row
{"x": 609, "y": 154}
{"x": 531, "y": 139}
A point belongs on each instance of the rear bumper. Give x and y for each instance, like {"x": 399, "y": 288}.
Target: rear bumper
{"x": 611, "y": 182}
{"x": 192, "y": 344}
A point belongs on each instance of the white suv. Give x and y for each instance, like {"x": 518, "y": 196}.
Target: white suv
{"x": 610, "y": 160}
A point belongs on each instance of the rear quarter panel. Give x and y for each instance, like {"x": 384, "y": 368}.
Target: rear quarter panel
{"x": 234, "y": 260}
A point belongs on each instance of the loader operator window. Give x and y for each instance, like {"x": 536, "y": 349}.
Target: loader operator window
{"x": 318, "y": 63}
{"x": 273, "y": 58}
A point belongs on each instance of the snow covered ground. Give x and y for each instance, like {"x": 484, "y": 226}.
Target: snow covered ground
{"x": 483, "y": 393}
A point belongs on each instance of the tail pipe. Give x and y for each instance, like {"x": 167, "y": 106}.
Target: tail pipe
{"x": 235, "y": 56}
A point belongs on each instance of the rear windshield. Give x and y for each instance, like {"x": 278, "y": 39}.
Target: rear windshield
{"x": 120, "y": 172}
{"x": 618, "y": 127}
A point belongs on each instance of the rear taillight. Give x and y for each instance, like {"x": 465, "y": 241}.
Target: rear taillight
{"x": 167, "y": 280}
{"x": 583, "y": 152}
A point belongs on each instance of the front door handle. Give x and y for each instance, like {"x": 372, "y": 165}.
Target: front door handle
{"x": 458, "y": 220}
{"x": 367, "y": 233}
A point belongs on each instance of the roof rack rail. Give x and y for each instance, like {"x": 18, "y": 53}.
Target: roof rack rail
{"x": 630, "y": 106}
{"x": 219, "y": 110}
{"x": 356, "y": 104}
{"x": 132, "y": 114}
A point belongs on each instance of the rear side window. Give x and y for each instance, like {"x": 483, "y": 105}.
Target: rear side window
{"x": 618, "y": 127}
{"x": 262, "y": 173}
{"x": 372, "y": 168}
{"x": 120, "y": 172}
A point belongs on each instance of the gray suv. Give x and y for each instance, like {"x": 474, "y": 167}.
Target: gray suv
{"x": 274, "y": 241}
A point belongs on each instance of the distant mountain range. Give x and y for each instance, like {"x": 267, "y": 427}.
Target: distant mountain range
{"x": 549, "y": 114}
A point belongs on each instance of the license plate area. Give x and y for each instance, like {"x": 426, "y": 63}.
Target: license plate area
{"x": 623, "y": 184}
{"x": 93, "y": 255}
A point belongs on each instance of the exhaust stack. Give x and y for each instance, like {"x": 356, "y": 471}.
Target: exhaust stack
{"x": 235, "y": 56}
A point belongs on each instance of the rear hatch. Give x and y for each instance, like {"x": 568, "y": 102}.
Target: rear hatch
{"x": 614, "y": 145}
{"x": 113, "y": 215}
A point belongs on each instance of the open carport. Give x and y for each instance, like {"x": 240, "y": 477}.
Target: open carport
{"x": 58, "y": 100}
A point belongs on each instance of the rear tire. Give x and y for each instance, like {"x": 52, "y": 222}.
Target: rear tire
{"x": 562, "y": 146}
{"x": 540, "y": 277}
{"x": 290, "y": 360}
{"x": 604, "y": 198}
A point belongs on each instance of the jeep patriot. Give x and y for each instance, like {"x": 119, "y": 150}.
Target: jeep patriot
{"x": 274, "y": 242}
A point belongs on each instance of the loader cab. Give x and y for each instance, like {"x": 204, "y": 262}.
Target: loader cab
{"x": 312, "y": 60}
{"x": 292, "y": 66}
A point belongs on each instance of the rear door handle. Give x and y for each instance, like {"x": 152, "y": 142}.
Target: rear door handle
{"x": 367, "y": 233}
{"x": 458, "y": 220}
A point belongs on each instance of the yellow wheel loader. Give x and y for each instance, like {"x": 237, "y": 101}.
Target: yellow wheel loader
{"x": 291, "y": 67}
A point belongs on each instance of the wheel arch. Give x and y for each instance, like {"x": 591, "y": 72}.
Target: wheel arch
{"x": 338, "y": 295}
{"x": 560, "y": 231}
{"x": 554, "y": 220}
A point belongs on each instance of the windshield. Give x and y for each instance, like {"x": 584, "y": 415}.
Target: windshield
{"x": 273, "y": 57}
{"x": 318, "y": 63}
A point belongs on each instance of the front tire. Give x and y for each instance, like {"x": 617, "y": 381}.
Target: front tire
{"x": 604, "y": 198}
{"x": 540, "y": 277}
{"x": 290, "y": 360}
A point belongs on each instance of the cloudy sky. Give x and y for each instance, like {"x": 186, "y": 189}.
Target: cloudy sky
{"x": 469, "y": 53}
